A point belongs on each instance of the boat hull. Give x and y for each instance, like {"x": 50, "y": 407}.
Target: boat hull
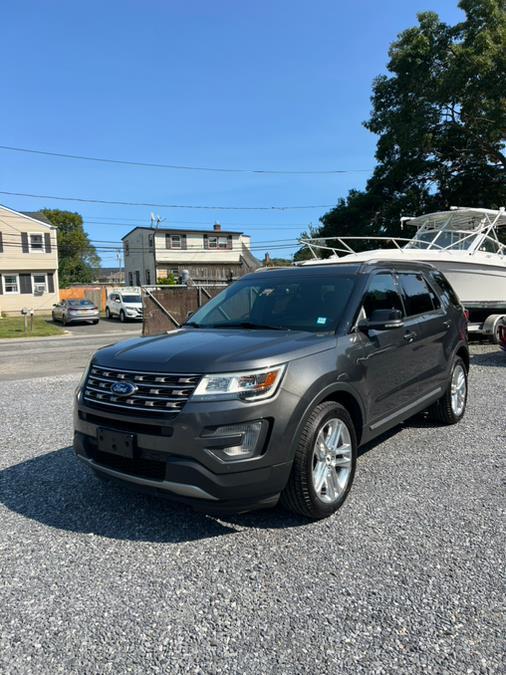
{"x": 479, "y": 280}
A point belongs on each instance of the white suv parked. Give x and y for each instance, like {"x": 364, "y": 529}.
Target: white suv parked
{"x": 125, "y": 304}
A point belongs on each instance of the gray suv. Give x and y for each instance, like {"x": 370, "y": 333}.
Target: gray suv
{"x": 270, "y": 388}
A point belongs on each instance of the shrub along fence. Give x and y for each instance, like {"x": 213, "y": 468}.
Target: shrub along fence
{"x": 168, "y": 307}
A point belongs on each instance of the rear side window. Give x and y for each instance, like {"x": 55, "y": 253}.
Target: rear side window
{"x": 419, "y": 298}
{"x": 382, "y": 294}
{"x": 448, "y": 294}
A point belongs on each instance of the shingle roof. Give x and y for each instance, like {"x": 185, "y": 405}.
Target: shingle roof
{"x": 37, "y": 215}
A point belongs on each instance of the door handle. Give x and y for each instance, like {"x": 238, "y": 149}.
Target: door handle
{"x": 447, "y": 323}
{"x": 409, "y": 336}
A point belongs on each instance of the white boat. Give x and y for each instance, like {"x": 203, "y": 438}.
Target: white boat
{"x": 463, "y": 243}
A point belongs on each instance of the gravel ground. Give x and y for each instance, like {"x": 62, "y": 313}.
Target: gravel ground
{"x": 408, "y": 577}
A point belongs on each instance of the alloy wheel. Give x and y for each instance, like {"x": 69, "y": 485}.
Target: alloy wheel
{"x": 458, "y": 390}
{"x": 332, "y": 460}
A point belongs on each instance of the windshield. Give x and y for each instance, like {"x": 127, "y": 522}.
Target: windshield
{"x": 311, "y": 303}
{"x": 131, "y": 298}
{"x": 453, "y": 239}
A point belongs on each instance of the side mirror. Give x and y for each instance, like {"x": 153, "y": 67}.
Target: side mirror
{"x": 117, "y": 300}
{"x": 382, "y": 319}
{"x": 189, "y": 315}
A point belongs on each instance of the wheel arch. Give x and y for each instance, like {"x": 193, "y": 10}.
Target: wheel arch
{"x": 339, "y": 394}
{"x": 463, "y": 352}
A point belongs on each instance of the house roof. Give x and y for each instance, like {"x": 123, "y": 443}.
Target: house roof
{"x": 37, "y": 215}
{"x": 172, "y": 230}
{"x": 33, "y": 215}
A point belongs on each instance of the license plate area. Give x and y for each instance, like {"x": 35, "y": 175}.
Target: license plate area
{"x": 116, "y": 442}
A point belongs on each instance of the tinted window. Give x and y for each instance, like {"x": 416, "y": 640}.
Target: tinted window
{"x": 448, "y": 294}
{"x": 312, "y": 303}
{"x": 418, "y": 297}
{"x": 382, "y": 294}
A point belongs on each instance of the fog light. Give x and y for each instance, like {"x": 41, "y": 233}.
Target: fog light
{"x": 244, "y": 436}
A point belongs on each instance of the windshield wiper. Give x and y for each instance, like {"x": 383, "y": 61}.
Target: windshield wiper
{"x": 247, "y": 324}
{"x": 192, "y": 324}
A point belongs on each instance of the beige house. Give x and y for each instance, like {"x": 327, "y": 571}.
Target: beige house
{"x": 28, "y": 262}
{"x": 209, "y": 256}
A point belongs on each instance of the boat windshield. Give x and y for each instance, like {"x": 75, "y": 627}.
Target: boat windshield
{"x": 438, "y": 239}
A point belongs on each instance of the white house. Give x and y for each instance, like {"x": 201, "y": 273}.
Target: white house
{"x": 28, "y": 262}
{"x": 208, "y": 256}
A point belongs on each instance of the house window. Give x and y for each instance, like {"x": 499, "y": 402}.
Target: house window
{"x": 39, "y": 284}
{"x": 11, "y": 283}
{"x": 130, "y": 279}
{"x": 127, "y": 248}
{"x": 137, "y": 278}
{"x": 175, "y": 241}
{"x": 150, "y": 241}
{"x": 148, "y": 277}
{"x": 217, "y": 242}
{"x": 37, "y": 243}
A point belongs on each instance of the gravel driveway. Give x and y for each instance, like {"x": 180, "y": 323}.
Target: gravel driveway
{"x": 408, "y": 577}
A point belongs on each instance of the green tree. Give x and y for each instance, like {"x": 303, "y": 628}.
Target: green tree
{"x": 440, "y": 115}
{"x": 77, "y": 257}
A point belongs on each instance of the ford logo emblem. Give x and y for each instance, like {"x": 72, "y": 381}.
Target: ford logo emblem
{"x": 123, "y": 388}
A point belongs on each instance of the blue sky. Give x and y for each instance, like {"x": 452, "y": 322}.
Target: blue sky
{"x": 269, "y": 85}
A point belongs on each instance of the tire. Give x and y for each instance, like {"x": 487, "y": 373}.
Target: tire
{"x": 450, "y": 408}
{"x": 107, "y": 313}
{"x": 53, "y": 317}
{"x": 95, "y": 322}
{"x": 122, "y": 316}
{"x": 63, "y": 320}
{"x": 310, "y": 490}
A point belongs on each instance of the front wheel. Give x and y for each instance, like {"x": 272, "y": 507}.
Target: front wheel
{"x": 107, "y": 313}
{"x": 450, "y": 408}
{"x": 122, "y": 316}
{"x": 324, "y": 463}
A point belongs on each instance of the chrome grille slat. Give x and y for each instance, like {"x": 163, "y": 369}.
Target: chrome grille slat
{"x": 136, "y": 395}
{"x": 151, "y": 395}
{"x": 145, "y": 383}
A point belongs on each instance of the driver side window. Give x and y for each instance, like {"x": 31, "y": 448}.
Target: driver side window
{"x": 381, "y": 294}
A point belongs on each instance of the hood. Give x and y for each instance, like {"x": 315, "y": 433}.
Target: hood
{"x": 212, "y": 350}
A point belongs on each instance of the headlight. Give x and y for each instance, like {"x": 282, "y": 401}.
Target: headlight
{"x": 252, "y": 385}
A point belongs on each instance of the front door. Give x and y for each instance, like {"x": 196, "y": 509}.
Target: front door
{"x": 386, "y": 355}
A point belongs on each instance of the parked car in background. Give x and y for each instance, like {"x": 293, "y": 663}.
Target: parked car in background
{"x": 125, "y": 304}
{"x": 71, "y": 311}
{"x": 270, "y": 388}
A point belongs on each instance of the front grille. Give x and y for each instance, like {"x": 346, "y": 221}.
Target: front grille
{"x": 154, "y": 392}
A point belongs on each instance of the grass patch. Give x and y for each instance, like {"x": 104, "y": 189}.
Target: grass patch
{"x": 14, "y": 327}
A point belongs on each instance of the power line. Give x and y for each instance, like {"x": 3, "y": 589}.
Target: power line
{"x": 180, "y": 167}
{"x": 168, "y": 206}
{"x": 142, "y": 222}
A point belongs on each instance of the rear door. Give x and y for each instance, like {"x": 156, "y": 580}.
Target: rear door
{"x": 386, "y": 355}
{"x": 429, "y": 321}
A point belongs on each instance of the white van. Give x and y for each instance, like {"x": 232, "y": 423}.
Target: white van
{"x": 125, "y": 303}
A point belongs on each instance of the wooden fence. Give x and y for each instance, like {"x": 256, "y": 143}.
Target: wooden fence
{"x": 167, "y": 308}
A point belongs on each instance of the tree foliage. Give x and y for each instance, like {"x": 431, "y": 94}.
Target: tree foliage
{"x": 77, "y": 257}
{"x": 440, "y": 115}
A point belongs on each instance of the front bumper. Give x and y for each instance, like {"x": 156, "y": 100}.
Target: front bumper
{"x": 170, "y": 456}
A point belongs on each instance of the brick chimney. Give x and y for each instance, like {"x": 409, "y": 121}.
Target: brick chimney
{"x": 217, "y": 227}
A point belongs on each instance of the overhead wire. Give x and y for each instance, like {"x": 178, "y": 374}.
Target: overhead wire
{"x": 181, "y": 167}
{"x": 167, "y": 206}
